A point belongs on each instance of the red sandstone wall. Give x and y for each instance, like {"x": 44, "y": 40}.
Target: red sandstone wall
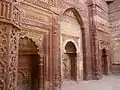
{"x": 115, "y": 26}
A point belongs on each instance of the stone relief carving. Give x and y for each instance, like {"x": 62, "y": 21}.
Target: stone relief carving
{"x": 42, "y": 3}
{"x": 4, "y": 4}
{"x": 7, "y": 15}
{"x": 65, "y": 66}
{"x": 3, "y": 54}
{"x": 13, "y": 62}
{"x": 58, "y": 81}
{"x": 115, "y": 43}
{"x": 23, "y": 81}
{"x": 13, "y": 53}
{"x": 115, "y": 48}
{"x": 16, "y": 16}
{"x": 36, "y": 16}
{"x": 13, "y": 59}
{"x": 36, "y": 37}
{"x": 65, "y": 69}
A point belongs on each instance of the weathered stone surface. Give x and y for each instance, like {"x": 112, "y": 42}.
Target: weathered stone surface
{"x": 89, "y": 27}
{"x": 115, "y": 24}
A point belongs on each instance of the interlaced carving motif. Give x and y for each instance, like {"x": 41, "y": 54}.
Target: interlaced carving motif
{"x": 13, "y": 59}
{"x": 3, "y": 54}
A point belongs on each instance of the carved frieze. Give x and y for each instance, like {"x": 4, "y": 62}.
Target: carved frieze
{"x": 36, "y": 16}
{"x": 41, "y": 3}
{"x": 5, "y": 8}
{"x": 9, "y": 13}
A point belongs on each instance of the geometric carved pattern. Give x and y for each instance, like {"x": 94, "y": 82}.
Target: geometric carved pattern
{"x": 13, "y": 59}
{"x": 3, "y": 54}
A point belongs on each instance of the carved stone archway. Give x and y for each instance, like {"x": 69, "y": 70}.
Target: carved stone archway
{"x": 83, "y": 38}
{"x": 70, "y": 58}
{"x": 70, "y": 40}
{"x": 104, "y": 62}
{"x": 38, "y": 39}
{"x": 70, "y": 64}
{"x": 28, "y": 65}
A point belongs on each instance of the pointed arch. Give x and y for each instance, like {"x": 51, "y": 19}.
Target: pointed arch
{"x": 81, "y": 23}
{"x": 77, "y": 15}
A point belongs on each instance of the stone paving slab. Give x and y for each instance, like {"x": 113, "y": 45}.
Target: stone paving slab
{"x": 106, "y": 83}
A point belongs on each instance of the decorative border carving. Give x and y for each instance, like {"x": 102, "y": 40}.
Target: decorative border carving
{"x": 3, "y": 54}
{"x": 36, "y": 37}
{"x": 13, "y": 59}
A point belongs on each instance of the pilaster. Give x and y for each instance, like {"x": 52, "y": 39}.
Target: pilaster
{"x": 9, "y": 32}
{"x": 94, "y": 41}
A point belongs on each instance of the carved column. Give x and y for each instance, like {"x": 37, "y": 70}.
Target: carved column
{"x": 94, "y": 41}
{"x": 9, "y": 55}
{"x": 3, "y": 54}
{"x": 13, "y": 59}
{"x": 9, "y": 30}
{"x": 57, "y": 62}
{"x": 86, "y": 45}
{"x": 85, "y": 74}
{"x": 50, "y": 67}
{"x": 46, "y": 62}
{"x": 56, "y": 53}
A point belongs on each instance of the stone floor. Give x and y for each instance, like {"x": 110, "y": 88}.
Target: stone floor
{"x": 106, "y": 83}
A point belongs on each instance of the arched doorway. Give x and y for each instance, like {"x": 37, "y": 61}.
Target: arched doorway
{"x": 28, "y": 65}
{"x": 70, "y": 63}
{"x": 72, "y": 29}
{"x": 104, "y": 62}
